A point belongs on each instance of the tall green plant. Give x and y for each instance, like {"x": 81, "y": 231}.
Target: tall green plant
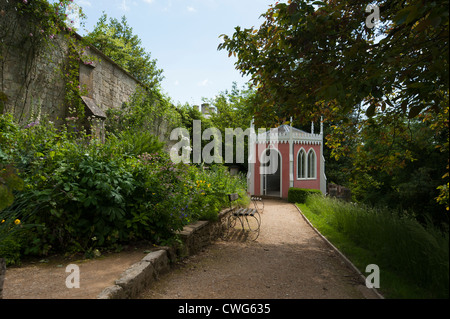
{"x": 398, "y": 242}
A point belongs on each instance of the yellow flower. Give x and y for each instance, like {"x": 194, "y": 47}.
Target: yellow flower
{"x": 203, "y": 193}
{"x": 17, "y": 221}
{"x": 209, "y": 185}
{"x": 3, "y": 221}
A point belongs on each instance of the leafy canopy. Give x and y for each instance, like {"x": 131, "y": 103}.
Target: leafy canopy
{"x": 117, "y": 41}
{"x": 311, "y": 59}
{"x": 306, "y": 55}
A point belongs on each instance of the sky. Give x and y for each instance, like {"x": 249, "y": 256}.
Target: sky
{"x": 183, "y": 36}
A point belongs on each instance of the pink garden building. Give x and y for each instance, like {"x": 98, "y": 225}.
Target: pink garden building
{"x": 286, "y": 157}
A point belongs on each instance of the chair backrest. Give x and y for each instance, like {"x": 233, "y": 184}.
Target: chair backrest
{"x": 233, "y": 197}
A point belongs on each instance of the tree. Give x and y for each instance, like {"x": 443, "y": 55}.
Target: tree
{"x": 307, "y": 55}
{"x": 232, "y": 108}
{"x": 233, "y": 113}
{"x": 320, "y": 59}
{"x": 117, "y": 41}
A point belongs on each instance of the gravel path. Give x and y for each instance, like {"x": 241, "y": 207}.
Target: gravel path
{"x": 288, "y": 260}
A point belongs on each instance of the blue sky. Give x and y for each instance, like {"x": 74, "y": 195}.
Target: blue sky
{"x": 183, "y": 36}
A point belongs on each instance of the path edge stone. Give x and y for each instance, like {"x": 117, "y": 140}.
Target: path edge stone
{"x": 143, "y": 273}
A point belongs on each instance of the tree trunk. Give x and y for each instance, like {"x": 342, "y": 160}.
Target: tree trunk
{"x": 2, "y": 275}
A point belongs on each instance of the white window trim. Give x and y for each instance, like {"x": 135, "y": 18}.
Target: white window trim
{"x": 315, "y": 163}
{"x": 306, "y": 165}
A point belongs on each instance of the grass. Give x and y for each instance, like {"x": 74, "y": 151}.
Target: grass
{"x": 413, "y": 259}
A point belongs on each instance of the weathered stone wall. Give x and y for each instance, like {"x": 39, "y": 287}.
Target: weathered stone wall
{"x": 31, "y": 75}
{"x": 107, "y": 83}
{"x": 200, "y": 234}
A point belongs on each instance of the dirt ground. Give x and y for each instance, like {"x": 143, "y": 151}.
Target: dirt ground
{"x": 47, "y": 280}
{"x": 288, "y": 260}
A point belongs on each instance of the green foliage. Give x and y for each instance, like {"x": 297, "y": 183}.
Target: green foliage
{"x": 208, "y": 189}
{"x": 233, "y": 113}
{"x": 9, "y": 181}
{"x": 37, "y": 27}
{"x": 299, "y": 195}
{"x": 86, "y": 194}
{"x": 398, "y": 165}
{"x": 308, "y": 53}
{"x": 10, "y": 250}
{"x": 312, "y": 59}
{"x": 148, "y": 111}
{"x": 117, "y": 41}
{"x": 134, "y": 143}
{"x": 398, "y": 244}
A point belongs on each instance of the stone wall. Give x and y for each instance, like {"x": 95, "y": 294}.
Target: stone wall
{"x": 145, "y": 272}
{"x": 31, "y": 75}
{"x": 339, "y": 191}
{"x": 107, "y": 84}
{"x": 200, "y": 234}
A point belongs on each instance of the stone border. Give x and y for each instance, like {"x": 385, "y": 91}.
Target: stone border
{"x": 142, "y": 274}
{"x": 346, "y": 260}
{"x": 194, "y": 237}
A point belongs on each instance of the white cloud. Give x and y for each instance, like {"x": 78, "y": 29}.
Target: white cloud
{"x": 84, "y": 3}
{"x": 124, "y": 5}
{"x": 149, "y": 1}
{"x": 176, "y": 82}
{"x": 191, "y": 9}
{"x": 205, "y": 82}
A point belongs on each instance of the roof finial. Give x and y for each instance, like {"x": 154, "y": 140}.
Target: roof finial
{"x": 321, "y": 125}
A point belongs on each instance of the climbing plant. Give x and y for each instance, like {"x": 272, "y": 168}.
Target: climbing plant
{"x": 38, "y": 27}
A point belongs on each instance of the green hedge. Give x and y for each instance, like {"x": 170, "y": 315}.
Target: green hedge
{"x": 299, "y": 195}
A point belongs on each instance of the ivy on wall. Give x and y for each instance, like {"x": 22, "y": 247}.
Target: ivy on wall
{"x": 39, "y": 27}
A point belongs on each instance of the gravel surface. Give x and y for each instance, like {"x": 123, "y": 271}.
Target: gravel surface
{"x": 288, "y": 260}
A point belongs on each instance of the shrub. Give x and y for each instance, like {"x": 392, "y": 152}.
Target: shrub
{"x": 299, "y": 195}
{"x": 88, "y": 194}
{"x": 137, "y": 143}
{"x": 208, "y": 189}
